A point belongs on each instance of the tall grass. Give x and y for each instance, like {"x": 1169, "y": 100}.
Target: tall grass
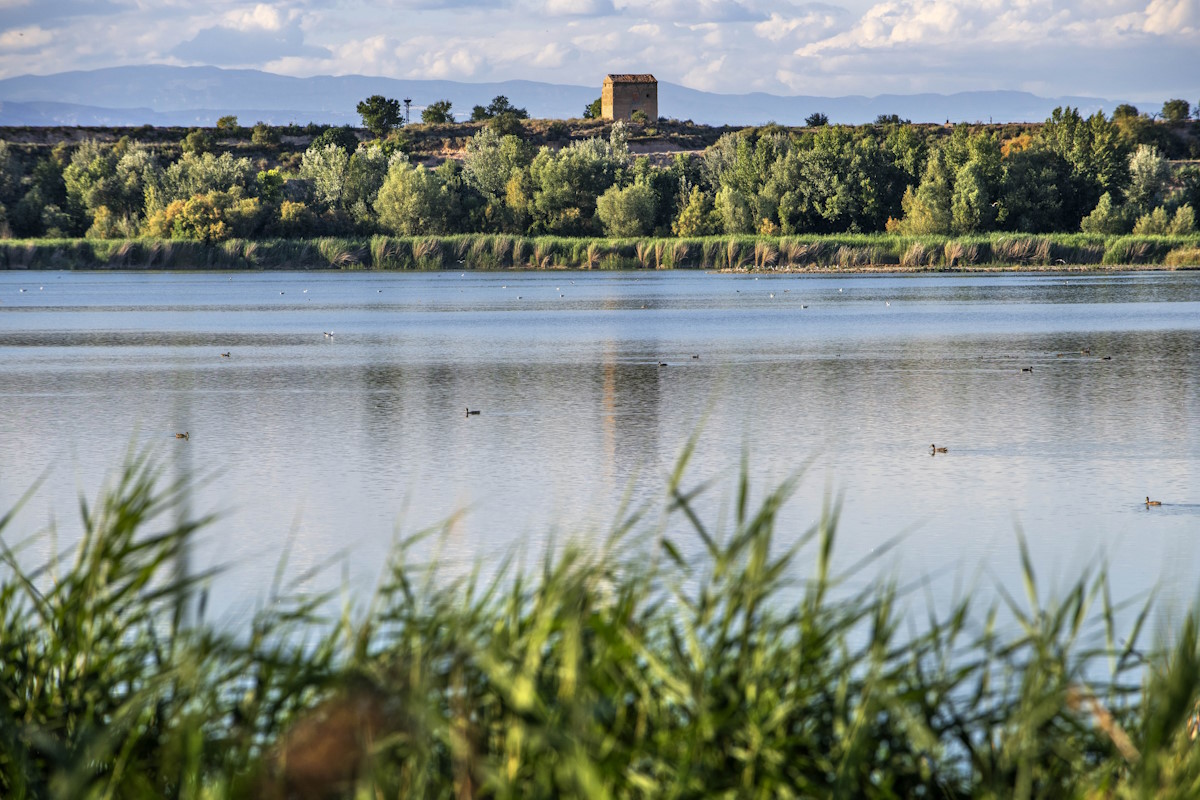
{"x": 504, "y": 251}
{"x": 610, "y": 672}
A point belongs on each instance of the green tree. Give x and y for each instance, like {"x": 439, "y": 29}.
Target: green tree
{"x": 209, "y": 218}
{"x": 971, "y": 208}
{"x": 380, "y": 114}
{"x": 733, "y": 210}
{"x": 342, "y": 136}
{"x": 437, "y": 113}
{"x": 1176, "y": 110}
{"x": 1154, "y": 223}
{"x": 195, "y": 174}
{"x": 627, "y": 212}
{"x": 1030, "y": 196}
{"x": 90, "y": 180}
{"x": 268, "y": 184}
{"x": 594, "y": 109}
{"x": 816, "y": 120}
{"x": 39, "y": 211}
{"x": 1187, "y": 180}
{"x": 198, "y": 141}
{"x": 506, "y": 124}
{"x": 697, "y": 217}
{"x": 1149, "y": 174}
{"x": 906, "y": 150}
{"x": 412, "y": 201}
{"x": 490, "y": 159}
{"x": 1096, "y": 156}
{"x": 228, "y": 124}
{"x": 365, "y": 174}
{"x": 1160, "y": 222}
{"x": 567, "y": 183}
{"x": 264, "y": 135}
{"x": 928, "y": 209}
{"x": 1184, "y": 222}
{"x": 325, "y": 168}
{"x": 12, "y": 174}
{"x": 1107, "y": 218}
{"x": 1124, "y": 111}
{"x": 499, "y": 105}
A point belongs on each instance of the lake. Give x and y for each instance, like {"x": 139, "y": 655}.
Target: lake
{"x": 589, "y": 385}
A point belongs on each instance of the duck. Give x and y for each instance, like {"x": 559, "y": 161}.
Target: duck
{"x": 183, "y": 435}
{"x": 226, "y": 355}
{"x": 471, "y": 413}
{"x": 1150, "y": 502}
{"x": 933, "y": 448}
{"x": 1026, "y": 369}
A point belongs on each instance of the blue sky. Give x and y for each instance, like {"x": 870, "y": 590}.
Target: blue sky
{"x": 1143, "y": 49}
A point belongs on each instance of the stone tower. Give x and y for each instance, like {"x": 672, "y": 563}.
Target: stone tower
{"x": 624, "y": 94}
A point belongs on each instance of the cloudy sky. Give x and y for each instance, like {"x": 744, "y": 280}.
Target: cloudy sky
{"x": 1143, "y": 49}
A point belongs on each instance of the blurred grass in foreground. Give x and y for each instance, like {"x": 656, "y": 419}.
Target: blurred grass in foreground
{"x": 598, "y": 675}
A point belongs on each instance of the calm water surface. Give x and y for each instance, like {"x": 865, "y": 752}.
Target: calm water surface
{"x": 338, "y": 444}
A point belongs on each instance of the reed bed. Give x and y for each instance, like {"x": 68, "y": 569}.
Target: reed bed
{"x": 752, "y": 670}
{"x": 505, "y": 251}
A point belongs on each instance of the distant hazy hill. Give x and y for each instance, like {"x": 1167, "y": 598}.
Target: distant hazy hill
{"x": 162, "y": 95}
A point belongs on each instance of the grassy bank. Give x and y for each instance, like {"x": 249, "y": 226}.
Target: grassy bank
{"x": 495, "y": 251}
{"x": 749, "y": 672}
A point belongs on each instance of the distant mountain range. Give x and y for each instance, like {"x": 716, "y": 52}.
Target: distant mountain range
{"x": 198, "y": 96}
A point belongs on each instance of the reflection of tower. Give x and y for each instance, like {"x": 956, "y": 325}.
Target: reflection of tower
{"x": 407, "y": 103}
{"x": 631, "y": 397}
{"x": 609, "y": 418}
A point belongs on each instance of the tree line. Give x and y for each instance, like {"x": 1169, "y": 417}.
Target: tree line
{"x": 1095, "y": 174}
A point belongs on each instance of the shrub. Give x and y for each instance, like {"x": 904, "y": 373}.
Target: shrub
{"x": 1183, "y": 257}
{"x": 1106, "y": 218}
{"x": 264, "y": 135}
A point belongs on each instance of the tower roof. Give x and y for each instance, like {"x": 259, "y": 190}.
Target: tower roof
{"x": 630, "y": 78}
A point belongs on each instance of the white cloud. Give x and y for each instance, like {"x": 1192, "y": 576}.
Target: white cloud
{"x": 686, "y": 10}
{"x": 25, "y": 38}
{"x": 456, "y": 62}
{"x": 261, "y": 17}
{"x": 805, "y": 27}
{"x": 1123, "y": 48}
{"x": 552, "y": 56}
{"x": 705, "y": 76}
{"x": 1173, "y": 17}
{"x": 567, "y": 8}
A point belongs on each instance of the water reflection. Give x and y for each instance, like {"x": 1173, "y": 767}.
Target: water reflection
{"x": 337, "y": 443}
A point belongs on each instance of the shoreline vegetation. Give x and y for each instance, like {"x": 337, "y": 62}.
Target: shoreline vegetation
{"x": 848, "y": 253}
{"x": 588, "y": 193}
{"x": 751, "y": 670}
